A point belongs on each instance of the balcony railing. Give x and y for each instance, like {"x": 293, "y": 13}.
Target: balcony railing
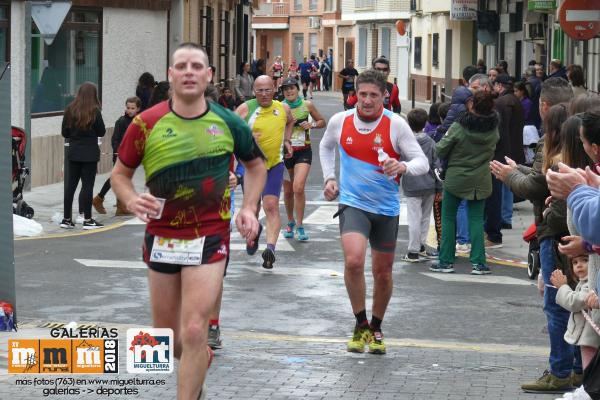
{"x": 273, "y": 10}
{"x": 364, "y": 3}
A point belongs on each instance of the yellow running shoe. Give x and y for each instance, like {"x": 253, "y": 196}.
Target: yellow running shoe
{"x": 361, "y": 337}
{"x": 376, "y": 345}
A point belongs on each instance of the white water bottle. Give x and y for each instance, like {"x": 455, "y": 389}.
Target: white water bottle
{"x": 382, "y": 156}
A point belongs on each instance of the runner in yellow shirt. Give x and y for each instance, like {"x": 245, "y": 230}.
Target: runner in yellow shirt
{"x": 272, "y": 123}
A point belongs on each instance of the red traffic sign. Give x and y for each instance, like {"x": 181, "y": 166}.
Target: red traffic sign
{"x": 580, "y": 19}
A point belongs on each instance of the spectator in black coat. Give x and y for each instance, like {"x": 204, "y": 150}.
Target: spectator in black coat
{"x": 557, "y": 70}
{"x": 82, "y": 124}
{"x": 144, "y": 88}
{"x": 510, "y": 145}
{"x": 535, "y": 87}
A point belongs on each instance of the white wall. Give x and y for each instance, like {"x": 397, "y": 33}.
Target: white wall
{"x": 424, "y": 26}
{"x": 127, "y": 53}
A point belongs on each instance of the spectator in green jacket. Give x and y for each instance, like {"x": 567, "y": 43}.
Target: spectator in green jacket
{"x": 468, "y": 146}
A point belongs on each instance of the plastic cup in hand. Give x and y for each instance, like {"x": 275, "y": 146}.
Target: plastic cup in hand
{"x": 382, "y": 157}
{"x": 160, "y": 211}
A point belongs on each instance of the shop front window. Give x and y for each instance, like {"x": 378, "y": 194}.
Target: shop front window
{"x": 74, "y": 57}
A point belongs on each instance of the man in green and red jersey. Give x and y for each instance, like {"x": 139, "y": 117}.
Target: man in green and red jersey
{"x": 185, "y": 146}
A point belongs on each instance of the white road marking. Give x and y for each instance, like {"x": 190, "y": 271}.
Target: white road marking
{"x": 111, "y": 263}
{"x": 237, "y": 243}
{"x": 322, "y": 216}
{"x": 278, "y": 270}
{"x": 487, "y": 279}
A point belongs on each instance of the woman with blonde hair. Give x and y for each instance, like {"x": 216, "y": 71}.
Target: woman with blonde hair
{"x": 82, "y": 125}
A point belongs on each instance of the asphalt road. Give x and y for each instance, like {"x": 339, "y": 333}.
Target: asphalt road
{"x": 304, "y": 294}
{"x": 451, "y": 336}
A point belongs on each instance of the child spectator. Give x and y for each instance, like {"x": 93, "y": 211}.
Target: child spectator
{"x": 133, "y": 106}
{"x": 434, "y": 119}
{"x": 227, "y": 100}
{"x": 579, "y": 332}
{"x": 419, "y": 192}
{"x": 443, "y": 109}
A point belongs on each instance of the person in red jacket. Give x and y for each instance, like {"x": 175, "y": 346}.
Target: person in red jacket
{"x": 391, "y": 101}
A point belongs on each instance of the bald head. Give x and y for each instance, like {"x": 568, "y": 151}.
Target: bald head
{"x": 262, "y": 80}
{"x": 263, "y": 89}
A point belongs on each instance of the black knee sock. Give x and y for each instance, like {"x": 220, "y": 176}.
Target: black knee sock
{"x": 375, "y": 324}
{"x": 361, "y": 318}
{"x": 304, "y": 92}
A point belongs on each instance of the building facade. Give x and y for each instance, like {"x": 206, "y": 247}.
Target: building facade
{"x": 440, "y": 48}
{"x": 294, "y": 29}
{"x": 222, "y": 27}
{"x": 371, "y": 32}
{"x": 530, "y": 30}
{"x": 110, "y": 43}
{"x": 96, "y": 42}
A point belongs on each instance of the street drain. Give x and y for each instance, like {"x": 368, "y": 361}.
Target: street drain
{"x": 287, "y": 351}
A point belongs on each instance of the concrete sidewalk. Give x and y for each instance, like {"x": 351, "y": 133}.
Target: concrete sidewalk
{"x": 48, "y": 204}
{"x": 258, "y": 366}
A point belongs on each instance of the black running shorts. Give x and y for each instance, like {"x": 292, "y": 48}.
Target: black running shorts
{"x": 303, "y": 156}
{"x": 381, "y": 230}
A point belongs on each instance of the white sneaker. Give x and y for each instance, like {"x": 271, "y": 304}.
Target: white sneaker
{"x": 463, "y": 248}
{"x": 79, "y": 220}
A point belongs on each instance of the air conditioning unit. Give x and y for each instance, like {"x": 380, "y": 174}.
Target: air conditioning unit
{"x": 314, "y": 22}
{"x": 534, "y": 31}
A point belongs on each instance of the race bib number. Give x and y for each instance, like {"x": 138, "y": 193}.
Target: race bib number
{"x": 177, "y": 251}
{"x": 298, "y": 137}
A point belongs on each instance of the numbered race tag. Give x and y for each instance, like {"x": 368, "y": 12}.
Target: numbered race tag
{"x": 177, "y": 251}
{"x": 298, "y": 137}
